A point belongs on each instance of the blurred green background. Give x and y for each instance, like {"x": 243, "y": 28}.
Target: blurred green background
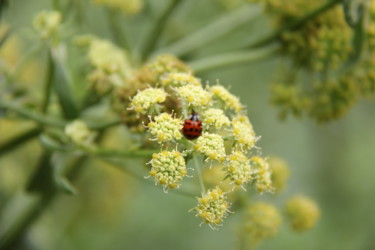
{"x": 332, "y": 163}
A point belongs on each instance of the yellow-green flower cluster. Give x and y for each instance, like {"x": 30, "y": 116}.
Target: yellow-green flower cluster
{"x": 280, "y": 173}
{"x": 80, "y": 133}
{"x": 262, "y": 174}
{"x": 238, "y": 169}
{"x": 227, "y": 99}
{"x": 243, "y": 132}
{"x": 47, "y": 24}
{"x": 303, "y": 213}
{"x": 168, "y": 168}
{"x": 147, "y": 98}
{"x": 165, "y": 128}
{"x": 261, "y": 221}
{"x": 223, "y": 139}
{"x": 194, "y": 95}
{"x": 179, "y": 79}
{"x": 215, "y": 118}
{"x": 212, "y": 146}
{"x": 129, "y": 7}
{"x": 212, "y": 207}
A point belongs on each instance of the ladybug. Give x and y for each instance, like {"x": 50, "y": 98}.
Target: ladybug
{"x": 192, "y": 128}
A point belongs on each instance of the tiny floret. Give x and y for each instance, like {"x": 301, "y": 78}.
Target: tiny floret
{"x": 215, "y": 118}
{"x": 79, "y": 133}
{"x": 303, "y": 213}
{"x": 262, "y": 174}
{"x": 230, "y": 101}
{"x": 144, "y": 99}
{"x": 194, "y": 95}
{"x": 212, "y": 207}
{"x": 262, "y": 221}
{"x": 212, "y": 146}
{"x": 179, "y": 79}
{"x": 243, "y": 132}
{"x": 280, "y": 173}
{"x": 238, "y": 169}
{"x": 168, "y": 168}
{"x": 46, "y": 23}
{"x": 165, "y": 128}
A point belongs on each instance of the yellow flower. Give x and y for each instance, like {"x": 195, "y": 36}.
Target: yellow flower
{"x": 179, "y": 79}
{"x": 303, "y": 213}
{"x": 165, "y": 128}
{"x": 261, "y": 221}
{"x": 262, "y": 174}
{"x": 230, "y": 101}
{"x": 212, "y": 146}
{"x": 280, "y": 173}
{"x": 212, "y": 207}
{"x": 144, "y": 99}
{"x": 47, "y": 23}
{"x": 243, "y": 132}
{"x": 193, "y": 95}
{"x": 238, "y": 169}
{"x": 216, "y": 118}
{"x": 168, "y": 169}
{"x": 79, "y": 133}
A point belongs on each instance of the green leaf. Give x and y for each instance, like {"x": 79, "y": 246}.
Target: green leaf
{"x": 59, "y": 163}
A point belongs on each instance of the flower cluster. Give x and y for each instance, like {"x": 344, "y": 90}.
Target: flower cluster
{"x": 79, "y": 133}
{"x": 321, "y": 49}
{"x": 168, "y": 94}
{"x": 261, "y": 221}
{"x": 47, "y": 24}
{"x": 212, "y": 207}
{"x": 302, "y": 212}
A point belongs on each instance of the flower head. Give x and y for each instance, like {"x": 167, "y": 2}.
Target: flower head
{"x": 303, "y": 213}
{"x": 212, "y": 207}
{"x": 47, "y": 23}
{"x": 280, "y": 173}
{"x": 79, "y": 133}
{"x": 262, "y": 174}
{"x": 168, "y": 168}
{"x": 243, "y": 132}
{"x": 262, "y": 221}
{"x": 165, "y": 128}
{"x": 144, "y": 99}
{"x": 238, "y": 169}
{"x": 215, "y": 118}
{"x": 212, "y": 146}
{"x": 222, "y": 94}
{"x": 178, "y": 79}
{"x": 194, "y": 95}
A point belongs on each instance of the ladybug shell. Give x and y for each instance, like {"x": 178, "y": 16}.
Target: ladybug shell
{"x": 192, "y": 127}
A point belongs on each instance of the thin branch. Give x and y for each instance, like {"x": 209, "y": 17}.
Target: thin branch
{"x": 212, "y": 31}
{"x": 231, "y": 59}
{"x": 32, "y": 115}
{"x": 19, "y": 140}
{"x": 153, "y": 38}
{"x": 294, "y": 25}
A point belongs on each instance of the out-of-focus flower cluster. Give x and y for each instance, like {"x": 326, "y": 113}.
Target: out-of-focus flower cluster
{"x": 331, "y": 78}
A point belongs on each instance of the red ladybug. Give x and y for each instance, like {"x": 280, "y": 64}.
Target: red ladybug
{"x": 192, "y": 127}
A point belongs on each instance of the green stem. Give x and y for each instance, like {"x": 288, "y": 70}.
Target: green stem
{"x": 142, "y": 178}
{"x": 212, "y": 31}
{"x": 294, "y": 25}
{"x": 199, "y": 173}
{"x": 48, "y": 83}
{"x": 231, "y": 58}
{"x": 155, "y": 34}
{"x": 141, "y": 153}
{"x": 19, "y": 140}
{"x": 32, "y": 115}
{"x": 104, "y": 125}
